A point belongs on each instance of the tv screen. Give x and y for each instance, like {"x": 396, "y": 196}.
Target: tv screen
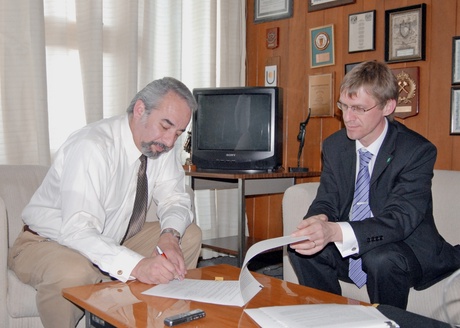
{"x": 237, "y": 128}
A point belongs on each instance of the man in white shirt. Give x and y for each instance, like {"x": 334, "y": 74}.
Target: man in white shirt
{"x": 76, "y": 221}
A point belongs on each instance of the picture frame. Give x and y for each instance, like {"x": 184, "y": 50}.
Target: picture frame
{"x": 361, "y": 31}
{"x": 270, "y": 10}
{"x": 348, "y": 67}
{"x": 405, "y": 33}
{"x": 456, "y": 60}
{"x": 455, "y": 111}
{"x": 314, "y": 5}
{"x": 320, "y": 95}
{"x": 322, "y": 46}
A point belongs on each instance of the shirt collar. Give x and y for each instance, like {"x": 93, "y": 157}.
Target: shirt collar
{"x": 132, "y": 152}
{"x": 375, "y": 146}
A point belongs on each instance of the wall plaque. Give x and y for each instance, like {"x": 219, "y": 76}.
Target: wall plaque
{"x": 408, "y": 88}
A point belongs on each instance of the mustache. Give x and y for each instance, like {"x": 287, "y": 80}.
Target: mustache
{"x": 147, "y": 149}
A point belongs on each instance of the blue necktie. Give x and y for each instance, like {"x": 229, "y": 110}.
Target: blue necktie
{"x": 360, "y": 211}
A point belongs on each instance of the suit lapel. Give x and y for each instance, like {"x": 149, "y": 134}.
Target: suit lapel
{"x": 385, "y": 155}
{"x": 348, "y": 158}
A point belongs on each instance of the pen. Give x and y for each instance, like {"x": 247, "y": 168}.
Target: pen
{"x": 161, "y": 252}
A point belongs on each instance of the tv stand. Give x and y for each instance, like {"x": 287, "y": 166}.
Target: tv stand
{"x": 229, "y": 171}
{"x": 298, "y": 169}
{"x": 265, "y": 183}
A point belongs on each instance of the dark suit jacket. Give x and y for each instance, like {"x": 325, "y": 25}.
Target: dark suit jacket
{"x": 400, "y": 198}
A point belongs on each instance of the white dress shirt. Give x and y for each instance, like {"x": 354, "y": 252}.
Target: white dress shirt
{"x": 349, "y": 245}
{"x": 87, "y": 197}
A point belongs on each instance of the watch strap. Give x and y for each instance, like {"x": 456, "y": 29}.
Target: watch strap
{"x": 172, "y": 231}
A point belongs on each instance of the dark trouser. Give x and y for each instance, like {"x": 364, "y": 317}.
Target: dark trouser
{"x": 392, "y": 269}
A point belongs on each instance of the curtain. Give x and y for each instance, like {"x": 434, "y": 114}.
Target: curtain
{"x": 23, "y": 91}
{"x": 67, "y": 63}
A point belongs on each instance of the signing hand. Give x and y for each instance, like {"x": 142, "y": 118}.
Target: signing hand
{"x": 172, "y": 251}
{"x": 158, "y": 269}
{"x": 154, "y": 270}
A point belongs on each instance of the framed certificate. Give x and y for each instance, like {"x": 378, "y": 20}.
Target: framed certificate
{"x": 455, "y": 110}
{"x": 405, "y": 34}
{"x": 269, "y": 10}
{"x": 456, "y": 60}
{"x": 314, "y": 5}
{"x": 361, "y": 31}
{"x": 322, "y": 46}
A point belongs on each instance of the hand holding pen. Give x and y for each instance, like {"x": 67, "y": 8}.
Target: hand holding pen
{"x": 161, "y": 253}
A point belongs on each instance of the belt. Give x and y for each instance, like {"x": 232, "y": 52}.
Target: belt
{"x": 26, "y": 228}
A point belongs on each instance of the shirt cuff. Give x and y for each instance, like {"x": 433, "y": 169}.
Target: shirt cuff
{"x": 349, "y": 245}
{"x": 124, "y": 264}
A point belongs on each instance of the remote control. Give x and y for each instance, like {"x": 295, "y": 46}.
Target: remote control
{"x": 184, "y": 317}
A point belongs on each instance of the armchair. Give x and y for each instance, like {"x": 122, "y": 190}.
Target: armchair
{"x": 17, "y": 300}
{"x": 445, "y": 188}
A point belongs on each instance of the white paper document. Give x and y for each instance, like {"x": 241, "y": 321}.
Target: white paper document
{"x": 230, "y": 292}
{"x": 320, "y": 316}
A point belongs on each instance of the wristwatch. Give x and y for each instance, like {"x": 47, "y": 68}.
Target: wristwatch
{"x": 172, "y": 231}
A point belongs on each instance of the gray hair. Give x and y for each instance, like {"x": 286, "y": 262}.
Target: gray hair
{"x": 152, "y": 94}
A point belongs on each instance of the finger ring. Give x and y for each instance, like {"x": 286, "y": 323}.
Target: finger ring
{"x": 313, "y": 243}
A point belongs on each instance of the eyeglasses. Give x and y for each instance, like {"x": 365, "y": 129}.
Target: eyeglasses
{"x": 358, "y": 110}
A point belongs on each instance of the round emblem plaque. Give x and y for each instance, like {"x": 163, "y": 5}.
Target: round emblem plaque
{"x": 322, "y": 41}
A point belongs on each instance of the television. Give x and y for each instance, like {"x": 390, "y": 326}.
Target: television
{"x": 238, "y": 129}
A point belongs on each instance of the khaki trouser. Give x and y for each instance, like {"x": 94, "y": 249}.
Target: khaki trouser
{"x": 49, "y": 267}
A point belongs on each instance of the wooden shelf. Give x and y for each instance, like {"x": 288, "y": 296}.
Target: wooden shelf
{"x": 256, "y": 175}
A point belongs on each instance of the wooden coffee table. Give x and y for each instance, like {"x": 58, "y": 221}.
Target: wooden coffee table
{"x": 123, "y": 305}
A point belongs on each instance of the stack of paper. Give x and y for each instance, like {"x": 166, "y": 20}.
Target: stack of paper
{"x": 320, "y": 316}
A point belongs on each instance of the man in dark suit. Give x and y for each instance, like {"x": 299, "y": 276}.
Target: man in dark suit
{"x": 396, "y": 241}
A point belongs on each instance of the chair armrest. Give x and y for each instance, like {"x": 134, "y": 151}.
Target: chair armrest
{"x": 296, "y": 201}
{"x": 3, "y": 258}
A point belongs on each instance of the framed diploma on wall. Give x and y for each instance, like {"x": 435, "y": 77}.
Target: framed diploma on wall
{"x": 314, "y": 5}
{"x": 455, "y": 110}
{"x": 269, "y": 10}
{"x": 405, "y": 33}
{"x": 456, "y": 60}
{"x": 361, "y": 31}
